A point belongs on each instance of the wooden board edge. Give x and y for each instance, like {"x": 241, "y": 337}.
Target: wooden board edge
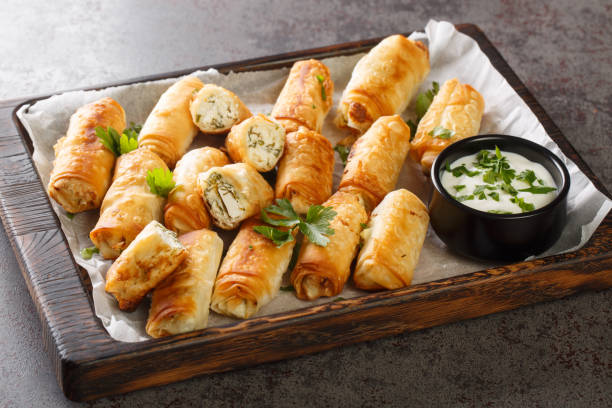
{"x": 363, "y": 322}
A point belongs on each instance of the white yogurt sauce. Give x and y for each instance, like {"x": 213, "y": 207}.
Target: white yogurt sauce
{"x": 517, "y": 202}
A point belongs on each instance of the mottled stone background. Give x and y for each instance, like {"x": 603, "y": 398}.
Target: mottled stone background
{"x": 548, "y": 355}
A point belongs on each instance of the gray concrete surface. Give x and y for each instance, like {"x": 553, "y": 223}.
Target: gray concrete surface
{"x": 557, "y": 354}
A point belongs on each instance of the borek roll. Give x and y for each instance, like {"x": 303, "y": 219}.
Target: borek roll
{"x": 153, "y": 255}
{"x": 83, "y": 167}
{"x": 306, "y": 97}
{"x": 251, "y": 273}
{"x": 257, "y": 141}
{"x": 457, "y": 108}
{"x": 169, "y": 130}
{"x": 383, "y": 82}
{"x": 323, "y": 271}
{"x": 185, "y": 210}
{"x": 181, "y": 302}
{"x": 234, "y": 193}
{"x": 305, "y": 172}
{"x": 215, "y": 109}
{"x": 392, "y": 242}
{"x": 375, "y": 160}
{"x": 129, "y": 204}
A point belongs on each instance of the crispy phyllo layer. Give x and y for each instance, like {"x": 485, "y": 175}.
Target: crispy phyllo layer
{"x": 375, "y": 160}
{"x": 153, "y": 255}
{"x": 169, "y": 130}
{"x": 323, "y": 271}
{"x": 454, "y": 114}
{"x": 83, "y": 167}
{"x": 215, "y": 109}
{"x": 251, "y": 273}
{"x": 185, "y": 210}
{"x": 306, "y": 97}
{"x": 383, "y": 82}
{"x": 180, "y": 303}
{"x": 129, "y": 204}
{"x": 233, "y": 193}
{"x": 305, "y": 172}
{"x": 392, "y": 242}
{"x": 257, "y": 141}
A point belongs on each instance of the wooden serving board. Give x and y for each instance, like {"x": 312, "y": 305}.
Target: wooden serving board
{"x": 89, "y": 364}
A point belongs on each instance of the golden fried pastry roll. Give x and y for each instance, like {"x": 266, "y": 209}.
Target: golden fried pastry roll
{"x": 215, "y": 109}
{"x": 257, "y": 141}
{"x": 458, "y": 108}
{"x": 376, "y": 159}
{"x": 392, "y": 242}
{"x": 383, "y": 82}
{"x": 251, "y": 272}
{"x": 185, "y": 210}
{"x": 153, "y": 255}
{"x": 323, "y": 271}
{"x": 233, "y": 193}
{"x": 83, "y": 167}
{"x": 169, "y": 130}
{"x": 180, "y": 303}
{"x": 305, "y": 172}
{"x": 306, "y": 97}
{"x": 129, "y": 204}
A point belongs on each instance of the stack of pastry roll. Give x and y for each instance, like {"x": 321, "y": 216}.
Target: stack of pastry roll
{"x": 457, "y": 107}
{"x": 169, "y": 130}
{"x": 306, "y": 97}
{"x": 258, "y": 141}
{"x": 129, "y": 204}
{"x": 233, "y": 193}
{"x": 153, "y": 255}
{"x": 185, "y": 210}
{"x": 305, "y": 172}
{"x": 181, "y": 302}
{"x": 383, "y": 82}
{"x": 376, "y": 160}
{"x": 323, "y": 270}
{"x": 215, "y": 109}
{"x": 82, "y": 169}
{"x": 392, "y": 242}
{"x": 251, "y": 272}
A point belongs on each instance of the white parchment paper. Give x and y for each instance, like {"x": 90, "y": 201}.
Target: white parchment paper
{"x": 452, "y": 54}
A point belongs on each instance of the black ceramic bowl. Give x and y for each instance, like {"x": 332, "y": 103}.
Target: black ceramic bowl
{"x": 503, "y": 237}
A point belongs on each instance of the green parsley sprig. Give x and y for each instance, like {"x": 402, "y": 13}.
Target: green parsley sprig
{"x": 343, "y": 151}
{"x": 117, "y": 143}
{"x": 442, "y": 132}
{"x": 497, "y": 166}
{"x": 315, "y": 227}
{"x": 321, "y": 81}
{"x": 87, "y": 253}
{"x": 160, "y": 181}
{"x": 423, "y": 102}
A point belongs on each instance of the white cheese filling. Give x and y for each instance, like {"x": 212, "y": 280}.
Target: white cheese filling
{"x": 265, "y": 142}
{"x": 215, "y": 110}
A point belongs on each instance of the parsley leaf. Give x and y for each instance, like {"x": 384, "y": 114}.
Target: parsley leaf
{"x": 459, "y": 187}
{"x": 413, "y": 128}
{"x": 494, "y": 195}
{"x": 521, "y": 203}
{"x": 116, "y": 143}
{"x": 459, "y": 170}
{"x": 321, "y": 80}
{"x": 160, "y": 181}
{"x": 279, "y": 237}
{"x": 538, "y": 190}
{"x": 528, "y": 176}
{"x": 424, "y": 100}
{"x": 315, "y": 227}
{"x": 69, "y": 215}
{"x": 507, "y": 187}
{"x": 283, "y": 208}
{"x": 499, "y": 212}
{"x": 87, "y": 253}
{"x": 464, "y": 197}
{"x": 442, "y": 132}
{"x": 343, "y": 152}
